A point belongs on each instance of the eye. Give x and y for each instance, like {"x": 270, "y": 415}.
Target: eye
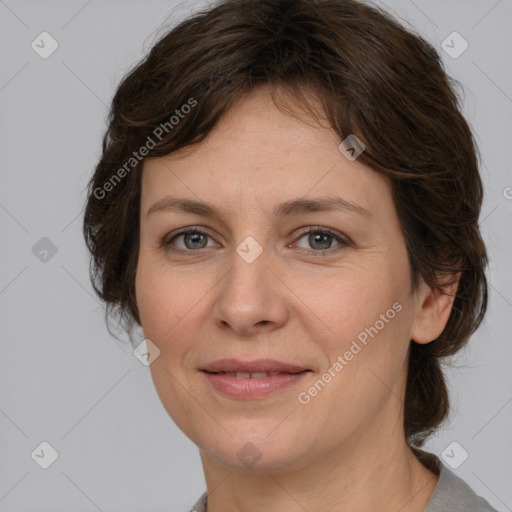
{"x": 192, "y": 240}
{"x": 317, "y": 239}
{"x": 321, "y": 240}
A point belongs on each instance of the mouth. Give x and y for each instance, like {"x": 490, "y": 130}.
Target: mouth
{"x": 252, "y": 379}
{"x": 251, "y": 375}
{"x": 253, "y": 367}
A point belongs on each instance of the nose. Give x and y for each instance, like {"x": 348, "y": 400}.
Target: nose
{"x": 251, "y": 299}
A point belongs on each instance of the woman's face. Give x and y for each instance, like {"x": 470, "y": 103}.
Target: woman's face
{"x": 249, "y": 284}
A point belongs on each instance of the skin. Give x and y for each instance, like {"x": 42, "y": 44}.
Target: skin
{"x": 297, "y": 302}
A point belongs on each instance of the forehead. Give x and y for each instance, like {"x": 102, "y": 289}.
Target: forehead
{"x": 257, "y": 153}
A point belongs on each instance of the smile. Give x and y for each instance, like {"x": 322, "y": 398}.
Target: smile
{"x": 248, "y": 375}
{"x": 252, "y": 385}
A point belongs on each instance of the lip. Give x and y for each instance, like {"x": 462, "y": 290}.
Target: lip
{"x": 245, "y": 388}
{"x": 258, "y": 365}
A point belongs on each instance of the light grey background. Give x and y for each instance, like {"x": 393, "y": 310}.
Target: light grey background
{"x": 65, "y": 381}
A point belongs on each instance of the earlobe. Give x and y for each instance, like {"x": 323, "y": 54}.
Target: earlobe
{"x": 433, "y": 310}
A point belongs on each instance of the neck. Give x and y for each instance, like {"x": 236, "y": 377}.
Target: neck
{"x": 377, "y": 471}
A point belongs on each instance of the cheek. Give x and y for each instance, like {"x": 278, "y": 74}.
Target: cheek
{"x": 164, "y": 300}
{"x": 166, "y": 306}
{"x": 365, "y": 315}
{"x": 364, "y": 361}
{"x": 353, "y": 300}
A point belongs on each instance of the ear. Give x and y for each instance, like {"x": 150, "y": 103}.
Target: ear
{"x": 433, "y": 310}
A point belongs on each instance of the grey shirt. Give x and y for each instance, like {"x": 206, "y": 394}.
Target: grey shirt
{"x": 451, "y": 494}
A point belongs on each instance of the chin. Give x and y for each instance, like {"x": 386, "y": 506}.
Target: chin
{"x": 247, "y": 452}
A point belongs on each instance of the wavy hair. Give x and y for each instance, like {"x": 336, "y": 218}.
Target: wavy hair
{"x": 374, "y": 79}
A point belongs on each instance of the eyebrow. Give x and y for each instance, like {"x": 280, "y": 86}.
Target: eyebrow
{"x": 282, "y": 210}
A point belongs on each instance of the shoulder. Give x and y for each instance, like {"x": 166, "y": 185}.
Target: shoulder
{"x": 200, "y": 505}
{"x": 452, "y": 494}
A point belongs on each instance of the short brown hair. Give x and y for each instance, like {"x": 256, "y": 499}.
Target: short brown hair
{"x": 374, "y": 79}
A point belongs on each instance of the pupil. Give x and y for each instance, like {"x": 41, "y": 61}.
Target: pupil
{"x": 195, "y": 238}
{"x": 314, "y": 238}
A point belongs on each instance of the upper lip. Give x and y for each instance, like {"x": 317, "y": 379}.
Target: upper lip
{"x": 258, "y": 365}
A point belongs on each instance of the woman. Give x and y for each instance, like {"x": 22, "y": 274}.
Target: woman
{"x": 287, "y": 203}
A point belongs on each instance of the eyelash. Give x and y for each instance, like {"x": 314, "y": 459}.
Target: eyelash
{"x": 166, "y": 243}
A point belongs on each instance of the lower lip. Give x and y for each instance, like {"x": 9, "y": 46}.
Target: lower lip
{"x": 252, "y": 388}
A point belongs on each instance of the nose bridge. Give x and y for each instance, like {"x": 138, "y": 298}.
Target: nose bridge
{"x": 248, "y": 294}
{"x": 247, "y": 278}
